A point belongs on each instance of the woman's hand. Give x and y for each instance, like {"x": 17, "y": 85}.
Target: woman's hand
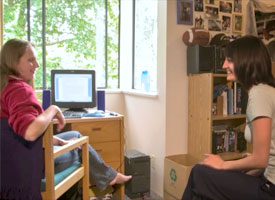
{"x": 60, "y": 118}
{"x": 59, "y": 142}
{"x": 213, "y": 161}
{"x": 42, "y": 121}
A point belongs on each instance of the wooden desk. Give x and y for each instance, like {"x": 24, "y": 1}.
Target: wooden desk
{"x": 106, "y": 135}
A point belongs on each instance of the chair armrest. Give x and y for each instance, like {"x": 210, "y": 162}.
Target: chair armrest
{"x": 53, "y": 191}
{"x": 71, "y": 145}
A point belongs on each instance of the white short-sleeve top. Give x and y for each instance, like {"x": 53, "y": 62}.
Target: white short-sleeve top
{"x": 261, "y": 102}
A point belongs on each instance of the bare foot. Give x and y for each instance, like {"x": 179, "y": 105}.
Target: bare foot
{"x": 120, "y": 179}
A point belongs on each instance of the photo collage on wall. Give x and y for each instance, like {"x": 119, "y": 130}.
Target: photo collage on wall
{"x": 265, "y": 23}
{"x": 213, "y": 15}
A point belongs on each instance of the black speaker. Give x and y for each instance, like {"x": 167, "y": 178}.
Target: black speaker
{"x": 219, "y": 59}
{"x": 201, "y": 59}
{"x": 46, "y": 99}
{"x": 101, "y": 100}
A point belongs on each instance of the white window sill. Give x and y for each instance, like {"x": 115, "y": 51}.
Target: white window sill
{"x": 141, "y": 93}
{"x": 133, "y": 92}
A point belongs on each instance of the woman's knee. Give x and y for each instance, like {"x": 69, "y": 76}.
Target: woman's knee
{"x": 69, "y": 135}
{"x": 199, "y": 171}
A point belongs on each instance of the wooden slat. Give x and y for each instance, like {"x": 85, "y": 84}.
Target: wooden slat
{"x": 85, "y": 181}
{"x": 68, "y": 182}
{"x": 70, "y": 146}
{"x": 199, "y": 114}
{"x": 49, "y": 162}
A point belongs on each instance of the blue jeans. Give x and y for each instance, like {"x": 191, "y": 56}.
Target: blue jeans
{"x": 100, "y": 173}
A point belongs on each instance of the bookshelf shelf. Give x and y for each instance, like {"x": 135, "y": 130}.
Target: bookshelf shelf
{"x": 231, "y": 155}
{"x": 219, "y": 75}
{"x": 201, "y": 119}
{"x": 228, "y": 117}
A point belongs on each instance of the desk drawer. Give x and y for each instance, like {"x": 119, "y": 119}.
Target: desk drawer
{"x": 100, "y": 131}
{"x": 115, "y": 165}
{"x": 109, "y": 151}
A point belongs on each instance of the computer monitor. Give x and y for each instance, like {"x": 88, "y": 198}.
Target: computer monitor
{"x": 73, "y": 89}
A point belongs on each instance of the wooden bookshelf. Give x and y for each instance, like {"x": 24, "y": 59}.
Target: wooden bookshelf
{"x": 201, "y": 119}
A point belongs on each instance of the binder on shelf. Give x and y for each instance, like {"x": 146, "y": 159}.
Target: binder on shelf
{"x": 224, "y": 95}
{"x": 232, "y": 140}
{"x": 235, "y": 98}
{"x": 227, "y": 139}
{"x": 218, "y": 141}
{"x": 241, "y": 142}
{"x": 230, "y": 99}
{"x": 219, "y": 105}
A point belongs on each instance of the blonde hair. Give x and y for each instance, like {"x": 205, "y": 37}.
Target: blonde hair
{"x": 10, "y": 55}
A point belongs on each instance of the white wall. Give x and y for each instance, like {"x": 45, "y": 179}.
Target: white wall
{"x": 156, "y": 126}
{"x": 145, "y": 116}
{"x": 114, "y": 101}
{"x": 177, "y": 84}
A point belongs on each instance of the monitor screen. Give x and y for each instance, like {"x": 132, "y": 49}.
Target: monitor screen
{"x": 73, "y": 89}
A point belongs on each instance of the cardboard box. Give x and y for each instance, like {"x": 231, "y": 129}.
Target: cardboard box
{"x": 176, "y": 173}
{"x": 167, "y": 196}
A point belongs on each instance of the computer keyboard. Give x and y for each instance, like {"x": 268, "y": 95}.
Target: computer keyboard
{"x": 73, "y": 114}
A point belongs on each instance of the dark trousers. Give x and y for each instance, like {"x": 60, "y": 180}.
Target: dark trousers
{"x": 206, "y": 183}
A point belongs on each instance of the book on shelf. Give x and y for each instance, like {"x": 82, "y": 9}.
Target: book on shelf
{"x": 227, "y": 139}
{"x": 219, "y": 138}
{"x": 225, "y": 104}
{"x": 218, "y": 141}
{"x": 241, "y": 142}
{"x": 229, "y": 99}
{"x": 219, "y": 105}
{"x": 235, "y": 97}
{"x": 232, "y": 140}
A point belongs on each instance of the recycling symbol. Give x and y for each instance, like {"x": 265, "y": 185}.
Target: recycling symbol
{"x": 173, "y": 175}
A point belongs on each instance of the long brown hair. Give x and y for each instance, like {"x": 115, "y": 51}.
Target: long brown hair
{"x": 252, "y": 62}
{"x": 10, "y": 55}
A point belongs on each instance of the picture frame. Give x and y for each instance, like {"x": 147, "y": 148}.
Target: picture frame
{"x": 226, "y": 23}
{"x": 212, "y": 2}
{"x": 185, "y": 12}
{"x": 211, "y": 12}
{"x": 199, "y": 22}
{"x": 237, "y": 23}
{"x": 225, "y": 6}
{"x": 238, "y": 6}
{"x": 214, "y": 25}
{"x": 198, "y": 6}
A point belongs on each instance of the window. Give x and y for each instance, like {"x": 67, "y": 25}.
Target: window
{"x": 68, "y": 34}
{"x": 145, "y": 45}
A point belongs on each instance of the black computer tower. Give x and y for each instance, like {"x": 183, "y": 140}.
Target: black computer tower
{"x": 137, "y": 164}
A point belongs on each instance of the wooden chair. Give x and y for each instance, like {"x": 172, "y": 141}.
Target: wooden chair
{"x": 57, "y": 184}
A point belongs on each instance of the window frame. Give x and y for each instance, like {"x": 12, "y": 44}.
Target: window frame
{"x": 134, "y": 87}
{"x": 43, "y": 64}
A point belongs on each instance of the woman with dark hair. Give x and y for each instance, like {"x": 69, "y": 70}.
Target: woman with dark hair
{"x": 247, "y": 62}
{"x": 23, "y": 122}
